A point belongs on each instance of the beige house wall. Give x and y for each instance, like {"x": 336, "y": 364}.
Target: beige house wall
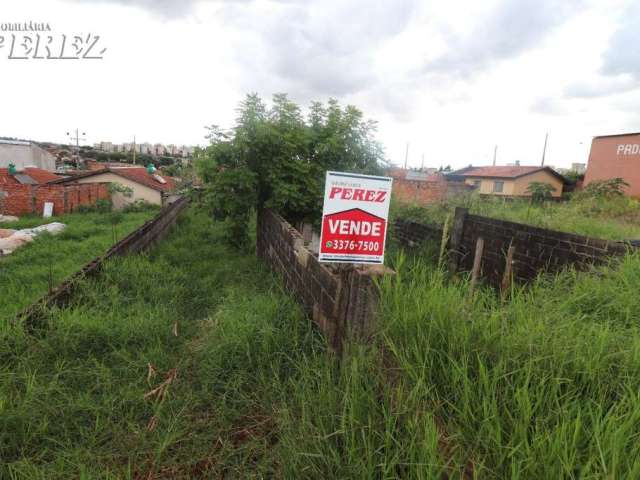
{"x": 487, "y": 184}
{"x": 516, "y": 187}
{"x": 522, "y": 183}
{"x": 140, "y": 192}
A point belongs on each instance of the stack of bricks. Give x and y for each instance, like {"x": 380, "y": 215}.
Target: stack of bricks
{"x": 341, "y": 302}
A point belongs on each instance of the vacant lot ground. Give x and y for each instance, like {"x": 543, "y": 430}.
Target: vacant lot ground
{"x": 25, "y": 274}
{"x": 191, "y": 362}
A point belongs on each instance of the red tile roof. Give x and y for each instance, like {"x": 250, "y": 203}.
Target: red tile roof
{"x": 136, "y": 174}
{"x": 38, "y": 174}
{"x": 141, "y": 175}
{"x": 502, "y": 171}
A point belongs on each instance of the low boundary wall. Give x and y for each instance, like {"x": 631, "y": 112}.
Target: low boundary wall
{"x": 341, "y": 300}
{"x": 412, "y": 234}
{"x": 533, "y": 249}
{"x": 142, "y": 238}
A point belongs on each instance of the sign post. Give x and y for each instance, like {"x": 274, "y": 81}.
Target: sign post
{"x": 354, "y": 218}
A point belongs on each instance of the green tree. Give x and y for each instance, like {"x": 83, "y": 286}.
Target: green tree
{"x": 540, "y": 191}
{"x": 275, "y": 157}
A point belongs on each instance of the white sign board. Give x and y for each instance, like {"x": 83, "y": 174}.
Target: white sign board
{"x": 354, "y": 218}
{"x": 48, "y": 209}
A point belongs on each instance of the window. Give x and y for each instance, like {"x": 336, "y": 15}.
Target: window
{"x": 476, "y": 184}
{"x": 498, "y": 186}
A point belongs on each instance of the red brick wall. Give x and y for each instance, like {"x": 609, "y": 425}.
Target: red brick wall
{"x": 421, "y": 192}
{"x": 30, "y": 199}
{"x": 16, "y": 199}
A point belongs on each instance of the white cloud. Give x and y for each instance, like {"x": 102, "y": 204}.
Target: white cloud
{"x": 452, "y": 78}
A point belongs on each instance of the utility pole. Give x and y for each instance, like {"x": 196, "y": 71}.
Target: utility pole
{"x": 77, "y": 139}
{"x": 134, "y": 149}
{"x": 406, "y": 156}
{"x": 544, "y": 150}
{"x": 495, "y": 155}
{"x": 422, "y": 165}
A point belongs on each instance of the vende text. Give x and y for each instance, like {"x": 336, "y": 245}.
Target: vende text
{"x": 350, "y": 227}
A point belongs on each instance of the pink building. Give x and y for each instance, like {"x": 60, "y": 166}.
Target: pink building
{"x": 615, "y": 156}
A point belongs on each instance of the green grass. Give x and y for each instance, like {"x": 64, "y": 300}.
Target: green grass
{"x": 24, "y": 275}
{"x": 543, "y": 384}
{"x": 614, "y": 218}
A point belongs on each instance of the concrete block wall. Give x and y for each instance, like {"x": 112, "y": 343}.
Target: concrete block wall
{"x": 536, "y": 249}
{"x": 340, "y": 300}
{"x": 411, "y": 234}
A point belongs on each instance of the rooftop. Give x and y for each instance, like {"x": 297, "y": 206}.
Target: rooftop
{"x": 136, "y": 174}
{"x": 38, "y": 175}
{"x": 617, "y": 135}
{"x": 502, "y": 171}
{"x": 14, "y": 142}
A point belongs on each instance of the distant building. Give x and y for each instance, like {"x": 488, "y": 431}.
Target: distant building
{"x": 25, "y": 154}
{"x": 157, "y": 149}
{"x": 420, "y": 187}
{"x": 509, "y": 181}
{"x": 26, "y": 191}
{"x": 614, "y": 156}
{"x": 150, "y": 187}
{"x": 579, "y": 168}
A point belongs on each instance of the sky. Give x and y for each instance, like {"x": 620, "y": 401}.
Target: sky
{"x": 452, "y": 79}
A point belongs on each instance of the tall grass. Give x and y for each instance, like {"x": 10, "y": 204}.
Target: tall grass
{"x": 26, "y": 274}
{"x": 541, "y": 385}
{"x": 544, "y": 385}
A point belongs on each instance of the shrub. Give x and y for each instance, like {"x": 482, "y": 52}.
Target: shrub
{"x": 277, "y": 159}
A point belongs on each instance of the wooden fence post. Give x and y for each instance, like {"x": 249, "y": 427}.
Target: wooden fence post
{"x": 508, "y": 269}
{"x": 455, "y": 242}
{"x": 477, "y": 262}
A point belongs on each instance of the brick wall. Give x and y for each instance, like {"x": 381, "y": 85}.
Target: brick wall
{"x": 21, "y": 199}
{"x": 411, "y": 234}
{"x": 426, "y": 191}
{"x": 341, "y": 301}
{"x": 536, "y": 249}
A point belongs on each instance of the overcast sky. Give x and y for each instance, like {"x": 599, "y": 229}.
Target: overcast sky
{"x": 453, "y": 78}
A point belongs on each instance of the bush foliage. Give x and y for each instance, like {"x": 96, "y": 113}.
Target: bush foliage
{"x": 277, "y": 158}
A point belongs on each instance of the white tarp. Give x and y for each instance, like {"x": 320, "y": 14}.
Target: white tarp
{"x": 20, "y": 238}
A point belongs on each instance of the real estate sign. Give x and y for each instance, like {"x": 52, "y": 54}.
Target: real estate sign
{"x": 354, "y": 218}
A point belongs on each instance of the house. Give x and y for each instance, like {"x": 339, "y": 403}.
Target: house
{"x": 25, "y": 191}
{"x": 143, "y": 183}
{"x": 615, "y": 156}
{"x": 25, "y": 154}
{"x": 509, "y": 181}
